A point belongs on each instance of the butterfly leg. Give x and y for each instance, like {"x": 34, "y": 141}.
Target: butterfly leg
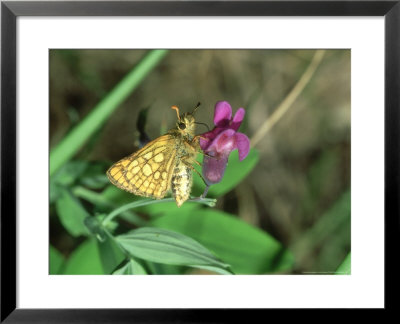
{"x": 188, "y": 164}
{"x": 198, "y": 136}
{"x": 195, "y": 144}
{"x": 198, "y": 163}
{"x": 195, "y": 148}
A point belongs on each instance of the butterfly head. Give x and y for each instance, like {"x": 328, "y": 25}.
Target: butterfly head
{"x": 186, "y": 122}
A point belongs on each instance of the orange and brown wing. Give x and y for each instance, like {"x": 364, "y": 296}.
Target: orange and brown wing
{"x": 148, "y": 171}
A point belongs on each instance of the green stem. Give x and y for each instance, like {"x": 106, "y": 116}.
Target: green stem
{"x": 67, "y": 148}
{"x": 91, "y": 196}
{"x": 145, "y": 202}
{"x": 98, "y": 200}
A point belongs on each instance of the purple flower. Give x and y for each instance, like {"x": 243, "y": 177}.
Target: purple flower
{"x": 221, "y": 141}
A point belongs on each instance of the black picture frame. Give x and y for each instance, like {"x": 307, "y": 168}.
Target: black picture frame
{"x": 10, "y": 10}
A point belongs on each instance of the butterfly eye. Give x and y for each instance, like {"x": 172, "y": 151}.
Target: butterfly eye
{"x": 182, "y": 126}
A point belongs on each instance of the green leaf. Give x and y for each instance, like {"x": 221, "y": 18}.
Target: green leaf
{"x": 163, "y": 269}
{"x": 102, "y": 205}
{"x": 110, "y": 255}
{"x": 94, "y": 176}
{"x": 65, "y": 177}
{"x": 247, "y": 249}
{"x": 55, "y": 191}
{"x": 117, "y": 196}
{"x": 85, "y": 260}
{"x": 71, "y": 214}
{"x": 70, "y": 145}
{"x": 345, "y": 267}
{"x": 333, "y": 224}
{"x": 131, "y": 267}
{"x": 69, "y": 172}
{"x": 56, "y": 260}
{"x": 215, "y": 269}
{"x": 95, "y": 182}
{"x": 162, "y": 246}
{"x": 235, "y": 172}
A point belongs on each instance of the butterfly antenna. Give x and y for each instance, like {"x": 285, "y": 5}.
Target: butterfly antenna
{"x": 195, "y": 108}
{"x": 199, "y": 123}
{"x": 177, "y": 112}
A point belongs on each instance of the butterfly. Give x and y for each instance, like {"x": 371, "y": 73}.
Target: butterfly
{"x": 164, "y": 164}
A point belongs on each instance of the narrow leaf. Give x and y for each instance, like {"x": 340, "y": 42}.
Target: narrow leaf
{"x": 163, "y": 246}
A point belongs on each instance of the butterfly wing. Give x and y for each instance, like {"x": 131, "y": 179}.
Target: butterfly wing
{"x": 148, "y": 171}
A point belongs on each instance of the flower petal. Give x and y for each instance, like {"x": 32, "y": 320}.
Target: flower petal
{"x": 214, "y": 168}
{"x": 222, "y": 113}
{"x": 224, "y": 142}
{"x": 204, "y": 142}
{"x": 238, "y": 118}
{"x": 207, "y": 138}
{"x": 243, "y": 145}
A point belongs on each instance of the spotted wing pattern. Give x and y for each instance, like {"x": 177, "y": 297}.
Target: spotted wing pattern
{"x": 148, "y": 171}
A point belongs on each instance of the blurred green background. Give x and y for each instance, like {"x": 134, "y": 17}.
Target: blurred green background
{"x": 299, "y": 190}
